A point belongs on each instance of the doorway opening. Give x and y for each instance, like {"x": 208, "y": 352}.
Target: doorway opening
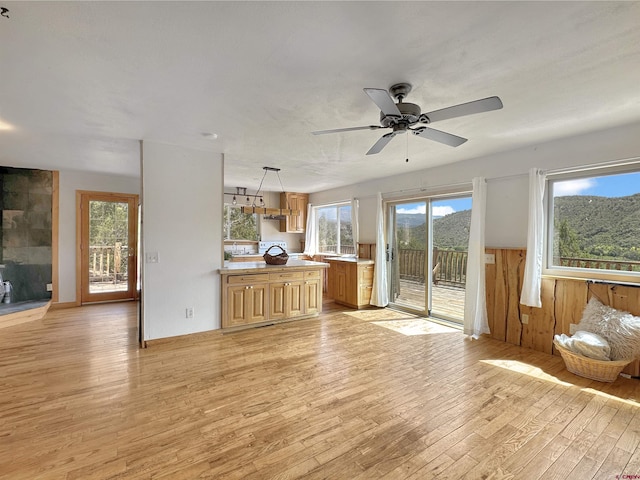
{"x": 427, "y": 242}
{"x": 107, "y": 247}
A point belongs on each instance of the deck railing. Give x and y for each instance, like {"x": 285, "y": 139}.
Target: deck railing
{"x": 108, "y": 263}
{"x": 450, "y": 266}
{"x": 343, "y": 250}
{"x": 627, "y": 266}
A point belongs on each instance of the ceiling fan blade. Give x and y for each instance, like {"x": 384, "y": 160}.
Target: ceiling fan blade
{"x": 438, "y": 136}
{"x": 350, "y": 129}
{"x": 384, "y": 101}
{"x": 381, "y": 143}
{"x": 469, "y": 108}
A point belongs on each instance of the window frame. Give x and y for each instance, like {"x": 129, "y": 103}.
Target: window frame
{"x": 245, "y": 240}
{"x": 581, "y": 273}
{"x": 316, "y": 217}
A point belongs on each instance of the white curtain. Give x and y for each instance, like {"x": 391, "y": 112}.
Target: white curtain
{"x": 475, "y": 304}
{"x": 530, "y": 294}
{"x": 310, "y": 237}
{"x": 355, "y": 227}
{"x": 380, "y": 292}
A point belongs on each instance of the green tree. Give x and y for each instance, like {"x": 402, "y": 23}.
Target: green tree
{"x": 238, "y": 225}
{"x": 567, "y": 240}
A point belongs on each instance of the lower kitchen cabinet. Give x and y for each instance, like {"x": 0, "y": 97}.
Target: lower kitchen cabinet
{"x": 282, "y": 294}
{"x": 350, "y": 281}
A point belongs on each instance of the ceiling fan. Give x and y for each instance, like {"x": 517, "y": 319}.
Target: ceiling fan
{"x": 404, "y": 117}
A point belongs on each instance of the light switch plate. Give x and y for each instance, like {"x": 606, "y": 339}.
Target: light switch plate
{"x": 152, "y": 257}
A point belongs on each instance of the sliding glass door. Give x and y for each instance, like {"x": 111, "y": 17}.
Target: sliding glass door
{"x": 427, "y": 255}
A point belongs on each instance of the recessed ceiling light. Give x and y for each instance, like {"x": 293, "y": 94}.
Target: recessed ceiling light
{"x": 210, "y": 136}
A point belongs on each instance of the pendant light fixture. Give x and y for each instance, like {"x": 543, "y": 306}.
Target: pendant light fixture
{"x": 269, "y": 211}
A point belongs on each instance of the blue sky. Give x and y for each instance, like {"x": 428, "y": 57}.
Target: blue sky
{"x": 608, "y": 186}
{"x": 619, "y": 185}
{"x": 440, "y": 207}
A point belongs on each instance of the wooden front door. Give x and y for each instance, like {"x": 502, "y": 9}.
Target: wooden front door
{"x": 107, "y": 246}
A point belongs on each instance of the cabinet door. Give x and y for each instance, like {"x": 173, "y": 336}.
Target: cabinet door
{"x": 312, "y": 296}
{"x": 294, "y": 201}
{"x": 365, "y": 284}
{"x": 246, "y": 304}
{"x": 341, "y": 286}
{"x": 285, "y": 300}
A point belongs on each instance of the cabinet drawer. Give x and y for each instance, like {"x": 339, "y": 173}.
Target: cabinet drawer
{"x": 285, "y": 276}
{"x": 249, "y": 279}
{"x": 312, "y": 274}
{"x": 366, "y": 274}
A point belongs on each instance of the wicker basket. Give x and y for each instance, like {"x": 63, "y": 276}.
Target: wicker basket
{"x": 600, "y": 370}
{"x": 280, "y": 259}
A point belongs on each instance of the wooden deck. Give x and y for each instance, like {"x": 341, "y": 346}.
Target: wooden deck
{"x": 447, "y": 301}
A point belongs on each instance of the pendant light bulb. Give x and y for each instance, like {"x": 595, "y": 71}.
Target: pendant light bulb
{"x": 234, "y": 201}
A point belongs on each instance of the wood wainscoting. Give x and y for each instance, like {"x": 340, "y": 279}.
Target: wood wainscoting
{"x": 563, "y": 300}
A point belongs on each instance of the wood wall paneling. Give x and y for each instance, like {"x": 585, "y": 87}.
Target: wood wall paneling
{"x": 563, "y": 301}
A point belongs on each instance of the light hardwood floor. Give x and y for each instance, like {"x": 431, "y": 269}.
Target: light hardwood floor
{"x": 338, "y": 397}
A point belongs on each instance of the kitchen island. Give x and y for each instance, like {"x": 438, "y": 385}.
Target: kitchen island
{"x": 350, "y": 281}
{"x": 256, "y": 294}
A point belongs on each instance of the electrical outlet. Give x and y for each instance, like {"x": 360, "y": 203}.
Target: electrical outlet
{"x": 49, "y": 287}
{"x": 152, "y": 257}
{"x": 525, "y": 319}
{"x": 189, "y": 312}
{"x": 489, "y": 258}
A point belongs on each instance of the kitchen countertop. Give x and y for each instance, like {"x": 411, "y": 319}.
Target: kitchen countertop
{"x": 253, "y": 267}
{"x": 361, "y": 261}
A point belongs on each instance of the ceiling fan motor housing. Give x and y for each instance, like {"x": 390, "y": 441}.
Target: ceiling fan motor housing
{"x": 410, "y": 115}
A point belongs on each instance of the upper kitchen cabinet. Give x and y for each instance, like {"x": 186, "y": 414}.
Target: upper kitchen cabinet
{"x": 294, "y": 201}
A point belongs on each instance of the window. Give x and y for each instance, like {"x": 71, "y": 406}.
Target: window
{"x": 333, "y": 224}
{"x": 240, "y": 226}
{"x": 594, "y": 224}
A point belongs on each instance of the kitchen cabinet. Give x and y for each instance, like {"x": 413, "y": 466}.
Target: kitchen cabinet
{"x": 257, "y": 293}
{"x": 294, "y": 201}
{"x": 286, "y": 295}
{"x": 312, "y": 292}
{"x": 350, "y": 281}
{"x": 246, "y": 299}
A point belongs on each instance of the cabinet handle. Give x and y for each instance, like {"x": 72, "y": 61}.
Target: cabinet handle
{"x": 247, "y": 287}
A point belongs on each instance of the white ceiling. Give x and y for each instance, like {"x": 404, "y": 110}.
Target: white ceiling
{"x": 82, "y": 82}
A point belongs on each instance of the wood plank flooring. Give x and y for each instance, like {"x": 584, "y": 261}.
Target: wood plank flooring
{"x": 337, "y": 397}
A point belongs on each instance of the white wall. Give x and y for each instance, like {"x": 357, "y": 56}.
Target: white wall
{"x": 507, "y": 174}
{"x": 182, "y": 220}
{"x": 70, "y": 182}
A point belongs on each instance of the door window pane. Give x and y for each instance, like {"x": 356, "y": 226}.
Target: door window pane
{"x": 108, "y": 246}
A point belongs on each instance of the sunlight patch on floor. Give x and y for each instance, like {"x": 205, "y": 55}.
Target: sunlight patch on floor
{"x": 537, "y": 372}
{"x": 415, "y": 326}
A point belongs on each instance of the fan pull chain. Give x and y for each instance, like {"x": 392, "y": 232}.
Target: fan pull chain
{"x": 407, "y": 160}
